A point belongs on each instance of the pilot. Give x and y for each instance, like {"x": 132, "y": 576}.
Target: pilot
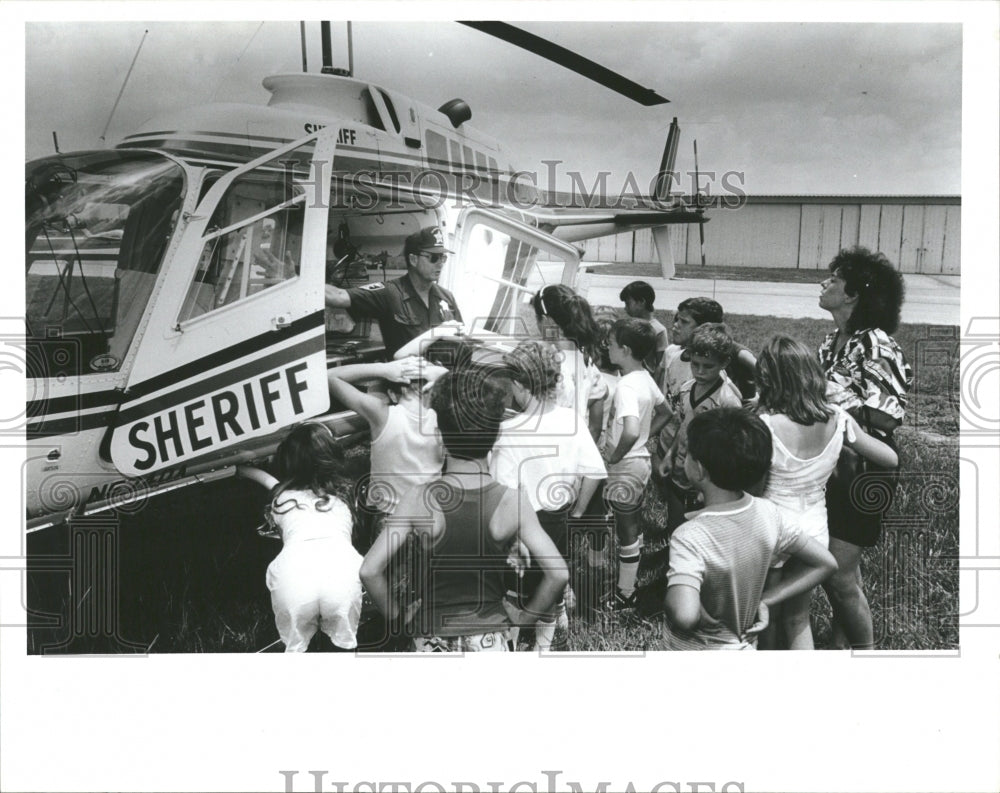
{"x": 408, "y": 306}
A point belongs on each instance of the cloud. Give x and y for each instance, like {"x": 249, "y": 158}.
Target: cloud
{"x": 796, "y": 106}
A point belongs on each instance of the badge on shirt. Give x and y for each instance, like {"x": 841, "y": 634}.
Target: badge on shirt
{"x": 374, "y": 287}
{"x": 446, "y": 314}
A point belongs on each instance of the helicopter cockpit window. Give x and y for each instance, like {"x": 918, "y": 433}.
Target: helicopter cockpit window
{"x": 373, "y": 117}
{"x": 392, "y": 110}
{"x": 253, "y": 241}
{"x": 97, "y": 228}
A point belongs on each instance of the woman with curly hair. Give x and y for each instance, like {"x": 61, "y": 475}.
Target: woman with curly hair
{"x": 868, "y": 377}
{"x": 565, "y": 319}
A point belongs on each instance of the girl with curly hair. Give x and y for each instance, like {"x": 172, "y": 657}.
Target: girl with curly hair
{"x": 314, "y": 580}
{"x": 548, "y": 455}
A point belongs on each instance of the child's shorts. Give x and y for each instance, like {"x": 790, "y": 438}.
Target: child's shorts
{"x": 493, "y": 642}
{"x": 626, "y": 482}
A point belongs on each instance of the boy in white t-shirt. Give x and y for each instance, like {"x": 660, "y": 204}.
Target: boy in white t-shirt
{"x": 638, "y": 410}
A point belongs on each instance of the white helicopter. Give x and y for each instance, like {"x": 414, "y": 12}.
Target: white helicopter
{"x": 175, "y": 283}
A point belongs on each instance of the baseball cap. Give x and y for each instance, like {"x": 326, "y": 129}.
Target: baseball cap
{"x": 429, "y": 238}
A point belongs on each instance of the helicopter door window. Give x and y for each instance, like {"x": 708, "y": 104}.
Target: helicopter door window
{"x": 253, "y": 242}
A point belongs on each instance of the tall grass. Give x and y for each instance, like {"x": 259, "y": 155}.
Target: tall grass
{"x": 186, "y": 573}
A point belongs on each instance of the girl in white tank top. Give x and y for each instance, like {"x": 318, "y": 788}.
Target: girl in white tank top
{"x": 807, "y": 434}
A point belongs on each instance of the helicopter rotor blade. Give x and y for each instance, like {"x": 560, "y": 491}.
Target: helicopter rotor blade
{"x": 570, "y": 60}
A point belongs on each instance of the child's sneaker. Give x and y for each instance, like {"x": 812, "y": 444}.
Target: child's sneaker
{"x": 619, "y": 602}
{"x": 569, "y": 597}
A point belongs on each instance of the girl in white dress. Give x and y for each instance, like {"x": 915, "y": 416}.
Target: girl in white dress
{"x": 808, "y": 434}
{"x": 314, "y": 580}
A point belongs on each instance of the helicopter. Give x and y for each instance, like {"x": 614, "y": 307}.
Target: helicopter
{"x": 175, "y": 282}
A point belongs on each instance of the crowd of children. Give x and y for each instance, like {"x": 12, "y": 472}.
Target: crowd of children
{"x": 490, "y": 471}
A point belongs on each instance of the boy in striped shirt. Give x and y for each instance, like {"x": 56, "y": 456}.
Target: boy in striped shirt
{"x": 720, "y": 557}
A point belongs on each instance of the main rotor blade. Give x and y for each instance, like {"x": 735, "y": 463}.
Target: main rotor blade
{"x": 570, "y": 60}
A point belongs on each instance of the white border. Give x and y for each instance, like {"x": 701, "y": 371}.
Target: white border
{"x": 773, "y": 722}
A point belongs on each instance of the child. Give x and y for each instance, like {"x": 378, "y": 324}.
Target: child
{"x": 720, "y": 557}
{"x": 405, "y": 450}
{"x": 558, "y": 309}
{"x": 808, "y": 434}
{"x": 467, "y": 522}
{"x": 709, "y": 352}
{"x": 692, "y": 313}
{"x": 548, "y": 453}
{"x": 314, "y": 580}
{"x": 638, "y": 298}
{"x": 630, "y": 423}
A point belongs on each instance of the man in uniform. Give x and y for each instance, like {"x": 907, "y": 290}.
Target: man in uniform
{"x": 407, "y": 306}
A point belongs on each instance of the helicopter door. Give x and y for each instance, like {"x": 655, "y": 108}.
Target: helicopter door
{"x": 501, "y": 263}
{"x": 235, "y": 349}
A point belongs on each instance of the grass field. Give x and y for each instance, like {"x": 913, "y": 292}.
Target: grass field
{"x": 186, "y": 572}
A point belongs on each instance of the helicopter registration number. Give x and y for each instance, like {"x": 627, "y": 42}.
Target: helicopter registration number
{"x": 211, "y": 421}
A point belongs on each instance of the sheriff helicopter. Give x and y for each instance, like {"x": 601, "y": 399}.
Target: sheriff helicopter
{"x": 175, "y": 283}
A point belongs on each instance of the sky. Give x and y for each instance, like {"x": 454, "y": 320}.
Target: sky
{"x": 795, "y": 107}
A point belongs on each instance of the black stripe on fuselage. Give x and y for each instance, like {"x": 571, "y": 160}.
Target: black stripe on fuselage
{"x": 222, "y": 357}
{"x": 223, "y": 380}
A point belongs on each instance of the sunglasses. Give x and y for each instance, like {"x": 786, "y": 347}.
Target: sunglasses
{"x": 434, "y": 258}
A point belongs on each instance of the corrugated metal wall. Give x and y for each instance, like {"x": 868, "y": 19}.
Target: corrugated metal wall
{"x": 916, "y": 237}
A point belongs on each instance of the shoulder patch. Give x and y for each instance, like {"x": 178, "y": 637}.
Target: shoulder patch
{"x": 374, "y": 287}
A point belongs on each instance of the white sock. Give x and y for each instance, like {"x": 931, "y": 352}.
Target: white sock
{"x": 544, "y": 633}
{"x": 628, "y": 567}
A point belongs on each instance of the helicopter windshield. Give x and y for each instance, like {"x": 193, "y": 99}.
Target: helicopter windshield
{"x": 97, "y": 226}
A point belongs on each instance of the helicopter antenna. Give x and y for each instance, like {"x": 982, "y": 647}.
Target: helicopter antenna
{"x": 697, "y": 194}
{"x": 328, "y": 67}
{"x": 124, "y": 83}
{"x": 350, "y": 52}
{"x": 302, "y": 36}
{"x": 239, "y": 57}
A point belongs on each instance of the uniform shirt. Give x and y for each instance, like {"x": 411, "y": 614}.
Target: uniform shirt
{"x": 400, "y": 311}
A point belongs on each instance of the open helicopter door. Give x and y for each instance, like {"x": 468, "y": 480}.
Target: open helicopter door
{"x": 234, "y": 349}
{"x": 501, "y": 263}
